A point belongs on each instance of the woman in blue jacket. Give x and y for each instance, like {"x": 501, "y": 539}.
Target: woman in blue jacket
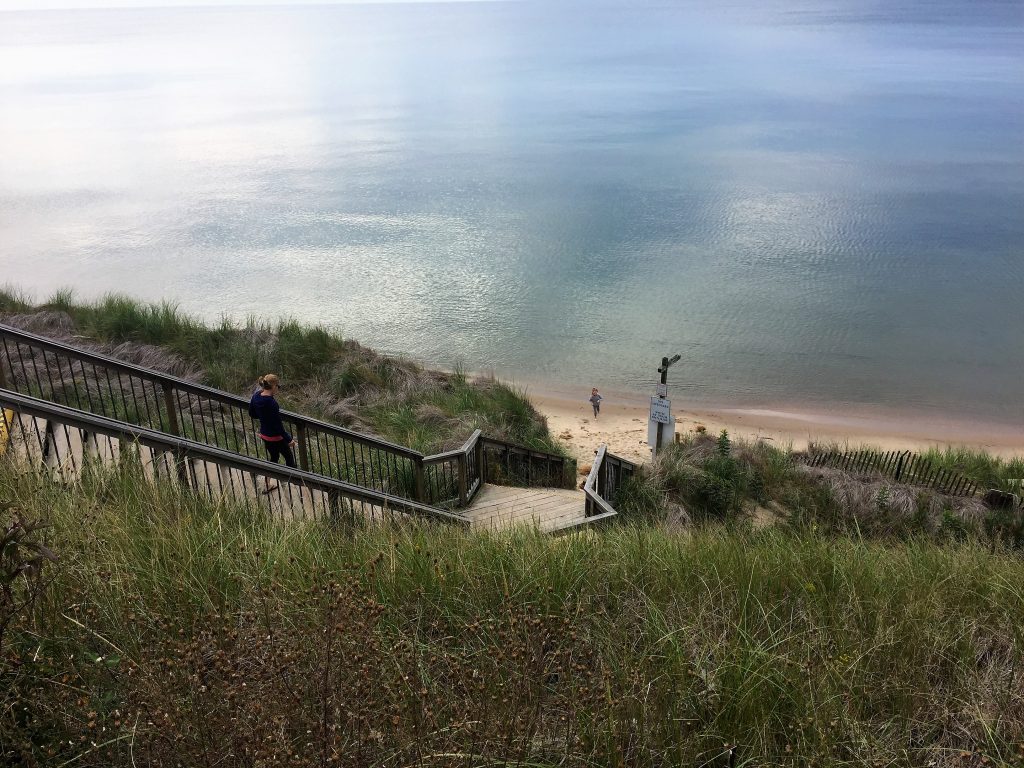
{"x": 263, "y": 406}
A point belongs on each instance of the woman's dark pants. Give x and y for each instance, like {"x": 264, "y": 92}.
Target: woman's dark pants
{"x": 279, "y": 448}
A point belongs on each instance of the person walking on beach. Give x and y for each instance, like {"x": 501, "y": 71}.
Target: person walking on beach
{"x": 595, "y": 400}
{"x": 263, "y": 406}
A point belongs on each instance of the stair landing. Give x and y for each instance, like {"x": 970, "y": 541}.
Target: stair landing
{"x": 500, "y": 506}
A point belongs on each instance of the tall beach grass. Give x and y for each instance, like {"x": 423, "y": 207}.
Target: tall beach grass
{"x": 179, "y": 632}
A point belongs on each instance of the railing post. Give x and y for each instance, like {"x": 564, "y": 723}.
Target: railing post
{"x": 334, "y": 507}
{"x": 462, "y": 479}
{"x": 172, "y": 413}
{"x": 300, "y": 434}
{"x": 182, "y": 467}
{"x": 420, "y": 491}
{"x": 479, "y": 448}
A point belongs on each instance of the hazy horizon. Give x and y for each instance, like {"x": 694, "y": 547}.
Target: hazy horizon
{"x": 100, "y": 5}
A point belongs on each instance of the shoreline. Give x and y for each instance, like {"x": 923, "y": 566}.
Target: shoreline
{"x": 622, "y": 425}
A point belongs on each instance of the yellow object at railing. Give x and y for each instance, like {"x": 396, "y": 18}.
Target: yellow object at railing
{"x": 5, "y": 430}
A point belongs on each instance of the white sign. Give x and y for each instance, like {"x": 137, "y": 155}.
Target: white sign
{"x": 668, "y": 432}
{"x": 662, "y": 390}
{"x": 661, "y": 410}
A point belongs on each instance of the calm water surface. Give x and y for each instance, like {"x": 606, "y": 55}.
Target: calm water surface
{"x": 817, "y": 204}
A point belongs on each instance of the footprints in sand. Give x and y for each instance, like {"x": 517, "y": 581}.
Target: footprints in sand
{"x": 624, "y": 430}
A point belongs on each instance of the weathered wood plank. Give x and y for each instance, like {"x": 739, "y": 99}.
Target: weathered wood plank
{"x": 497, "y": 507}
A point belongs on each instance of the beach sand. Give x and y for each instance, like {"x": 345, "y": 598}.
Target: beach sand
{"x": 622, "y": 425}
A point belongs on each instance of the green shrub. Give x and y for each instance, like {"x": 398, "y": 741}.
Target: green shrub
{"x": 703, "y": 475}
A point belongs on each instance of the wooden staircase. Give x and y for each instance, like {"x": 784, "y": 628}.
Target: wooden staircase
{"x": 67, "y": 408}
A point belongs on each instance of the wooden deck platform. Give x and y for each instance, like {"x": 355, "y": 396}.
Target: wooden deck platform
{"x": 499, "y": 506}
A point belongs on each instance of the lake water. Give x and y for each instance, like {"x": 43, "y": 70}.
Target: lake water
{"x": 817, "y": 204}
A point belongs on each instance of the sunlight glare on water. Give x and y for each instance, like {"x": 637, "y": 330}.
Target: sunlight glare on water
{"x": 814, "y": 203}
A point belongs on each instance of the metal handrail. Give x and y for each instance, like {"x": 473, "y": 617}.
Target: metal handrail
{"x": 184, "y": 449}
{"x": 191, "y": 387}
{"x": 382, "y": 468}
{"x": 520, "y": 448}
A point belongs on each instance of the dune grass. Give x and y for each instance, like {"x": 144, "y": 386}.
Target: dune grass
{"x": 988, "y": 470}
{"x": 325, "y": 375}
{"x": 707, "y": 479}
{"x": 178, "y": 632}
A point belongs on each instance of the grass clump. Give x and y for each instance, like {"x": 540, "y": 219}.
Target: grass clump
{"x": 707, "y": 479}
{"x": 326, "y": 376}
{"x": 176, "y": 631}
{"x": 13, "y": 299}
{"x": 987, "y": 470}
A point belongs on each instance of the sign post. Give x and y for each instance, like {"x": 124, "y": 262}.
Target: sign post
{"x": 661, "y": 406}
